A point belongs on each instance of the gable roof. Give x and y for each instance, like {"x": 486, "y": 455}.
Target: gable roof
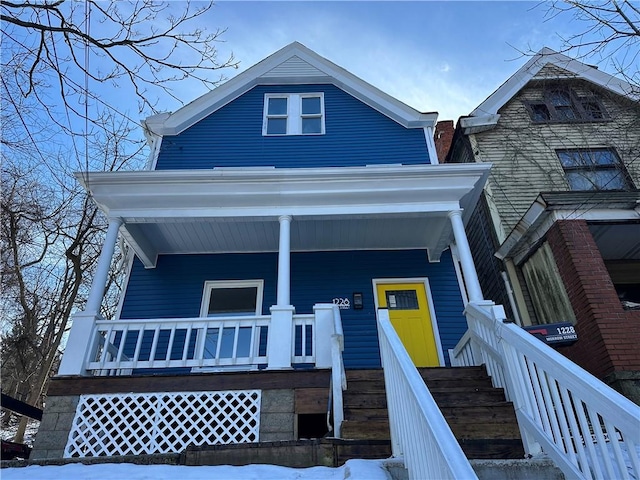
{"x": 486, "y": 115}
{"x": 293, "y": 64}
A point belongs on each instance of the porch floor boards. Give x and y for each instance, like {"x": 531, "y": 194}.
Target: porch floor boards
{"x": 479, "y": 415}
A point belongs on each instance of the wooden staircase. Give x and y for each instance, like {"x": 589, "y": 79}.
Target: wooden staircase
{"x": 479, "y": 415}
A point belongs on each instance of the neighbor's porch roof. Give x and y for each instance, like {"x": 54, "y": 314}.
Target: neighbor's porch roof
{"x": 226, "y": 210}
{"x": 613, "y": 217}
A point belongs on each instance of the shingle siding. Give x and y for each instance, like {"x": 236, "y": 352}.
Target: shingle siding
{"x": 356, "y": 135}
{"x": 523, "y": 153}
{"x": 483, "y": 244}
{"x": 174, "y": 289}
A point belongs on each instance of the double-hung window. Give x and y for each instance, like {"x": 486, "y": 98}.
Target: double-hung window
{"x": 293, "y": 114}
{"x": 593, "y": 169}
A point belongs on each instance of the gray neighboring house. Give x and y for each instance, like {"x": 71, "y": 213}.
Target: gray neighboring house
{"x": 558, "y": 226}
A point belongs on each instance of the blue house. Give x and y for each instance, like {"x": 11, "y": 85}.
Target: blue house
{"x": 281, "y": 217}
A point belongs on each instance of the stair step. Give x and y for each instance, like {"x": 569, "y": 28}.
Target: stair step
{"x": 365, "y": 386}
{"x": 435, "y": 373}
{"x": 366, "y": 429}
{"x": 503, "y": 412}
{"x": 483, "y": 431}
{"x": 492, "y": 448}
{"x": 374, "y": 400}
{"x": 365, "y": 413}
{"x": 365, "y": 449}
{"x": 479, "y": 415}
{"x": 447, "y": 398}
{"x": 355, "y": 375}
{"x": 466, "y": 383}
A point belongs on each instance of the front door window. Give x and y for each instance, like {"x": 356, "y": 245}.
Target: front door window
{"x": 410, "y": 315}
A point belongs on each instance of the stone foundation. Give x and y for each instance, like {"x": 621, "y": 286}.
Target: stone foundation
{"x": 54, "y": 428}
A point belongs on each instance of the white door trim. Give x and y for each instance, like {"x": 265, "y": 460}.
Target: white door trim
{"x": 432, "y": 312}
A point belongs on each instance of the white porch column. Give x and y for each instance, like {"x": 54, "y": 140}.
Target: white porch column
{"x": 466, "y": 260}
{"x": 280, "y": 340}
{"x": 81, "y": 342}
{"x": 284, "y": 262}
{"x": 102, "y": 271}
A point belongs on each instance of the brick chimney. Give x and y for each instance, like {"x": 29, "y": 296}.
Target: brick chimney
{"x": 443, "y": 137}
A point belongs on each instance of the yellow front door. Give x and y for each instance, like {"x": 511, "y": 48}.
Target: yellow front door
{"x": 409, "y": 315}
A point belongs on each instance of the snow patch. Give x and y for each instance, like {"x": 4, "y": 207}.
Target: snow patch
{"x": 352, "y": 470}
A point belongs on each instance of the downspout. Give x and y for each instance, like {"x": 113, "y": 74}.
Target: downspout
{"x": 512, "y": 300}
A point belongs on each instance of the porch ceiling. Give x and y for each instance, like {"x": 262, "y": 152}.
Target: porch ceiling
{"x": 237, "y": 210}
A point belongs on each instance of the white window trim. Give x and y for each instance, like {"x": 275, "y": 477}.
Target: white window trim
{"x": 294, "y": 113}
{"x": 213, "y": 284}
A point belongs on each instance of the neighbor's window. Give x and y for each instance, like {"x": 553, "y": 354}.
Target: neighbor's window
{"x": 293, "y": 114}
{"x": 549, "y": 297}
{"x": 561, "y": 104}
{"x": 593, "y": 169}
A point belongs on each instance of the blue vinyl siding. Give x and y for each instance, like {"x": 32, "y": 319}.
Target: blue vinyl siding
{"x": 356, "y": 135}
{"x": 175, "y": 287}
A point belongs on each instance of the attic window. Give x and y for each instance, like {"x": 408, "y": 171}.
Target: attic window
{"x": 293, "y": 114}
{"x": 561, "y": 104}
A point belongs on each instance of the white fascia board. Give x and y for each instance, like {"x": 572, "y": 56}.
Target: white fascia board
{"x": 525, "y": 229}
{"x": 479, "y": 124}
{"x": 264, "y": 192}
{"x": 273, "y": 213}
{"x": 208, "y": 103}
{"x": 518, "y": 80}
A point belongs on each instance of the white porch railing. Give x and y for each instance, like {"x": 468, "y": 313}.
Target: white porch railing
{"x": 124, "y": 345}
{"x": 419, "y": 432}
{"x": 587, "y": 428}
{"x": 304, "y": 342}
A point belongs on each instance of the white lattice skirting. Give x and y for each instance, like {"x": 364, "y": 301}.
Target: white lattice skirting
{"x": 132, "y": 424}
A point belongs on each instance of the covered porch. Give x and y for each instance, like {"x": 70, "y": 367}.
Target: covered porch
{"x": 245, "y": 210}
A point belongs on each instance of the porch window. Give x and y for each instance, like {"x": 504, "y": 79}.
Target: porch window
{"x": 593, "y": 169}
{"x": 293, "y": 114}
{"x": 232, "y": 298}
{"x": 229, "y": 299}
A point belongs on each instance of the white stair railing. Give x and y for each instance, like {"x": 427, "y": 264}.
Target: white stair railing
{"x": 338, "y": 375}
{"x": 587, "y": 428}
{"x": 419, "y": 432}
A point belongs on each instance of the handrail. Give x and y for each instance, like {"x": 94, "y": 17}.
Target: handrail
{"x": 338, "y": 375}
{"x": 419, "y": 432}
{"x": 586, "y": 427}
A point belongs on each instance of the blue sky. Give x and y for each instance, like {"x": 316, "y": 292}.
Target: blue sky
{"x": 435, "y": 56}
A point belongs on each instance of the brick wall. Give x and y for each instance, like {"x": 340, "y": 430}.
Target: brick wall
{"x": 443, "y": 137}
{"x": 608, "y": 335}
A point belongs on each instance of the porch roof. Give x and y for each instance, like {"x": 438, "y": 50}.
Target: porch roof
{"x": 613, "y": 216}
{"x": 237, "y": 209}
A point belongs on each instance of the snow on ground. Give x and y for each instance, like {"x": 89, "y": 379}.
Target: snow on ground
{"x": 352, "y": 470}
{"x": 8, "y": 432}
